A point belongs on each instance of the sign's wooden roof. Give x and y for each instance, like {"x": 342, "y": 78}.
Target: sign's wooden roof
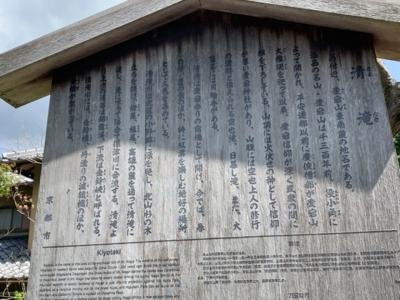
{"x": 26, "y": 71}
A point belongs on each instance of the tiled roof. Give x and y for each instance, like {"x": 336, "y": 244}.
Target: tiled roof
{"x": 23, "y": 155}
{"x": 14, "y": 258}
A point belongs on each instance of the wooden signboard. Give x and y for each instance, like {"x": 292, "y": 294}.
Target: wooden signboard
{"x": 220, "y": 157}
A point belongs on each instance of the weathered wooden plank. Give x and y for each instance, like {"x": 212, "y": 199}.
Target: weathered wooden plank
{"x": 220, "y": 157}
{"x": 26, "y": 71}
{"x": 28, "y": 91}
{"x": 28, "y": 64}
{"x": 35, "y": 194}
{"x": 385, "y": 10}
{"x": 380, "y": 18}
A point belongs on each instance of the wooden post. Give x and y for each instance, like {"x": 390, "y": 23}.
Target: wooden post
{"x": 35, "y": 194}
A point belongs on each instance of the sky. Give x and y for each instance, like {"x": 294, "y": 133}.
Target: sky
{"x": 24, "y": 20}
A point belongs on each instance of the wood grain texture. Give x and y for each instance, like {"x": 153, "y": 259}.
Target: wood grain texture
{"x": 380, "y": 18}
{"x": 275, "y": 124}
{"x": 35, "y": 195}
{"x": 29, "y": 67}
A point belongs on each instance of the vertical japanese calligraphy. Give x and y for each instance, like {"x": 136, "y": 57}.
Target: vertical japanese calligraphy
{"x": 198, "y": 155}
{"x": 286, "y": 132}
{"x": 341, "y": 127}
{"x": 134, "y": 129}
{"x": 149, "y": 138}
{"x": 102, "y": 116}
{"x": 73, "y": 89}
{"x": 83, "y": 190}
{"x": 100, "y": 185}
{"x": 48, "y": 218}
{"x": 310, "y": 187}
{"x": 213, "y": 93}
{"x": 270, "y": 178}
{"x": 281, "y": 83}
{"x": 116, "y": 152}
{"x": 232, "y": 142}
{"x": 165, "y": 99}
{"x": 254, "y": 201}
{"x": 323, "y": 146}
{"x": 182, "y": 146}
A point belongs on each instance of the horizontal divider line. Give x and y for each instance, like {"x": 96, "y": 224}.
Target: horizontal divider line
{"x": 224, "y": 238}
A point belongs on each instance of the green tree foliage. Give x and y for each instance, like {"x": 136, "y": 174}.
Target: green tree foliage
{"x": 397, "y": 145}
{"x": 19, "y": 296}
{"x": 6, "y": 181}
{"x": 392, "y": 97}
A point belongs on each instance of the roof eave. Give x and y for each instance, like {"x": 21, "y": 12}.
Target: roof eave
{"x": 26, "y": 71}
